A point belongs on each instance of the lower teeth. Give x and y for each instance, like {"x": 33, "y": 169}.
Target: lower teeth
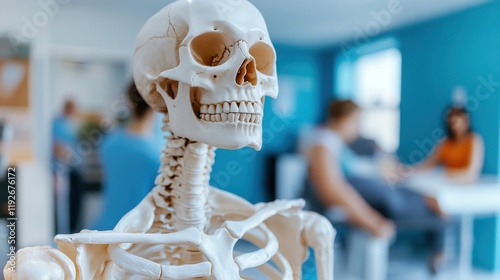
{"x": 231, "y": 117}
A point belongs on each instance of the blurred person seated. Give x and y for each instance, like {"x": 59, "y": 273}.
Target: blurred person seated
{"x": 130, "y": 160}
{"x": 461, "y": 152}
{"x": 65, "y": 165}
{"x": 339, "y": 178}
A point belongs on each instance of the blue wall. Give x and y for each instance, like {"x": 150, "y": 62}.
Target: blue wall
{"x": 458, "y": 50}
{"x": 246, "y": 172}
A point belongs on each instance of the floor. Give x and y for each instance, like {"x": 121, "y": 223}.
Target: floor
{"x": 402, "y": 266}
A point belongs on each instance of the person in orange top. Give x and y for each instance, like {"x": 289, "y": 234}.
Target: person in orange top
{"x": 462, "y": 152}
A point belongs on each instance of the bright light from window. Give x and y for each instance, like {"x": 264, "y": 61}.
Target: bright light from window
{"x": 377, "y": 89}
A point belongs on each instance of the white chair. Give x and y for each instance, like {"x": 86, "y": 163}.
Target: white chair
{"x": 367, "y": 256}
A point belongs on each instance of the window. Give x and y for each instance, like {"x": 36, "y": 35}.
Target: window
{"x": 373, "y": 80}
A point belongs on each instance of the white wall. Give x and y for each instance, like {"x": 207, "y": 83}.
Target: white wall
{"x": 93, "y": 86}
{"x": 11, "y": 13}
{"x": 97, "y": 29}
{"x": 82, "y": 33}
{"x": 74, "y": 32}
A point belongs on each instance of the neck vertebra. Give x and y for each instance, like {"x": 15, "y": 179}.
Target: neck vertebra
{"x": 182, "y": 185}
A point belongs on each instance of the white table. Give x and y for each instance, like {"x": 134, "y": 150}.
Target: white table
{"x": 466, "y": 201}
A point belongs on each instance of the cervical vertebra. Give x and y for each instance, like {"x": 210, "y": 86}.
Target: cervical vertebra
{"x": 182, "y": 186}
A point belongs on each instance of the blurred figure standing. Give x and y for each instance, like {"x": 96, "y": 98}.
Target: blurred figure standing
{"x": 67, "y": 176}
{"x": 462, "y": 151}
{"x": 130, "y": 158}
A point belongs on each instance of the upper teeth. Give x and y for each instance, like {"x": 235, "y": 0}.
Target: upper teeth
{"x": 236, "y": 111}
{"x": 232, "y": 107}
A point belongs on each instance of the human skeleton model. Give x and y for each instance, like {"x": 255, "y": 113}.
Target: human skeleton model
{"x": 208, "y": 65}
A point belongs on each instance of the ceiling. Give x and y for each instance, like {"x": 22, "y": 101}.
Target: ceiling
{"x": 310, "y": 22}
{"x": 331, "y": 21}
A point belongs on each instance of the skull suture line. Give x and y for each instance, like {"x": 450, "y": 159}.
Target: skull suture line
{"x": 213, "y": 71}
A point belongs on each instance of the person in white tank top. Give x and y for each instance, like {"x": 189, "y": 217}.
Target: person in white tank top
{"x": 340, "y": 178}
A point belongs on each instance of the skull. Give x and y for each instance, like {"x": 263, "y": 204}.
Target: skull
{"x": 208, "y": 64}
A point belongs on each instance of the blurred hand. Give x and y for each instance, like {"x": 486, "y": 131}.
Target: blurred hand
{"x": 385, "y": 228}
{"x": 397, "y": 173}
{"x": 388, "y": 165}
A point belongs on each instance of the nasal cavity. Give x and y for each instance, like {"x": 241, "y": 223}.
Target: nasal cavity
{"x": 247, "y": 73}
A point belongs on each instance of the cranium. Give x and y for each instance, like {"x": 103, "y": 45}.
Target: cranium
{"x": 213, "y": 64}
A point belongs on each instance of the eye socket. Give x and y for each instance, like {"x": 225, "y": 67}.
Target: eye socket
{"x": 209, "y": 49}
{"x": 264, "y": 57}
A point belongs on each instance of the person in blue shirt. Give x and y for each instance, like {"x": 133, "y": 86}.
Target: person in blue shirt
{"x": 65, "y": 134}
{"x": 66, "y": 162}
{"x": 130, "y": 158}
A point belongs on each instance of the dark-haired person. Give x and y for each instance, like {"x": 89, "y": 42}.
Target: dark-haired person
{"x": 462, "y": 152}
{"x": 130, "y": 159}
{"x": 341, "y": 179}
{"x": 65, "y": 166}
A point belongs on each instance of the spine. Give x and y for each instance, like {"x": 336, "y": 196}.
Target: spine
{"x": 181, "y": 194}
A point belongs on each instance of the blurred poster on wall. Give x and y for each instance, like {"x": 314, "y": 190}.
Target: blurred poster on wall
{"x": 14, "y": 82}
{"x": 15, "y": 110}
